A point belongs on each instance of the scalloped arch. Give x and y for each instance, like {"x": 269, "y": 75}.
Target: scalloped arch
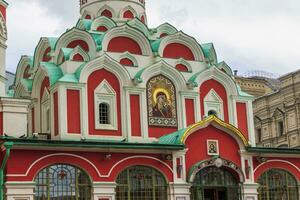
{"x": 107, "y": 63}
{"x": 39, "y": 52}
{"x": 24, "y": 62}
{"x": 166, "y": 28}
{"x": 183, "y": 39}
{"x": 136, "y": 23}
{"x": 75, "y": 34}
{"x": 102, "y": 21}
{"x": 218, "y": 75}
{"x": 129, "y": 32}
{"x": 127, "y": 8}
{"x": 85, "y": 13}
{"x": 130, "y": 57}
{"x": 106, "y": 7}
{"x": 80, "y": 51}
{"x": 165, "y": 69}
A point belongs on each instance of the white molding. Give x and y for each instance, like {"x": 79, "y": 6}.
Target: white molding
{"x": 212, "y": 101}
{"x": 276, "y": 160}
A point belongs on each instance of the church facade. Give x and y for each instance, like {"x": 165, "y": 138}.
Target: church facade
{"x": 115, "y": 110}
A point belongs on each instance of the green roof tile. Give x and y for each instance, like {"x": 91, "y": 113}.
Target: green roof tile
{"x": 54, "y": 72}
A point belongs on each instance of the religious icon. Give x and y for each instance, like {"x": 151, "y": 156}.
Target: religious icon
{"x": 161, "y": 102}
{"x": 212, "y": 147}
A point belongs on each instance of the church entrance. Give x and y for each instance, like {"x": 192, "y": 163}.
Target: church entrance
{"x": 214, "y": 183}
{"x": 215, "y": 194}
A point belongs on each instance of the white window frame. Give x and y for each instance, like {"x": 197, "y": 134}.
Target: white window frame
{"x": 212, "y": 101}
{"x": 46, "y": 120}
{"x": 104, "y": 93}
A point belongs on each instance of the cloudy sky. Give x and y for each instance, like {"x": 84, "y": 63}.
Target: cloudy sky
{"x": 247, "y": 34}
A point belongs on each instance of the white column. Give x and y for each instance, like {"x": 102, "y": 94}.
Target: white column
{"x": 250, "y": 191}
{"x": 104, "y": 190}
{"x": 179, "y": 191}
{"x": 20, "y": 190}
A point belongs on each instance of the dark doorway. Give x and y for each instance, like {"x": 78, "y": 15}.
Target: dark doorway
{"x": 215, "y": 194}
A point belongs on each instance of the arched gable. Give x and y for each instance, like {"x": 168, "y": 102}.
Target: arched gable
{"x": 136, "y": 23}
{"x": 104, "y": 62}
{"x": 165, "y": 28}
{"x": 102, "y": 21}
{"x": 41, "y": 50}
{"x": 214, "y": 73}
{"x": 128, "y": 32}
{"x": 130, "y": 57}
{"x": 278, "y": 113}
{"x": 23, "y": 65}
{"x": 185, "y": 42}
{"x": 75, "y": 34}
{"x": 164, "y": 69}
{"x": 219, "y": 124}
{"x": 87, "y": 15}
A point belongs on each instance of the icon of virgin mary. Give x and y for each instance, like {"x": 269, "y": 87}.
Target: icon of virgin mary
{"x": 162, "y": 108}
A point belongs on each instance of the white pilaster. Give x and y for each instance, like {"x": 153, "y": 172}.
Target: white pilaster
{"x": 179, "y": 191}
{"x": 104, "y": 190}
{"x": 20, "y": 190}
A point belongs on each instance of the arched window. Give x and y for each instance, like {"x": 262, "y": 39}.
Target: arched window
{"x": 140, "y": 182}
{"x": 215, "y": 183}
{"x": 277, "y": 184}
{"x": 104, "y": 113}
{"x": 62, "y": 182}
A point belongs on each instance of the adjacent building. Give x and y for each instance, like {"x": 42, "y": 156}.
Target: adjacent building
{"x": 115, "y": 110}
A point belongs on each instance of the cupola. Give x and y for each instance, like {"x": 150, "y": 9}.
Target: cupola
{"x": 119, "y": 10}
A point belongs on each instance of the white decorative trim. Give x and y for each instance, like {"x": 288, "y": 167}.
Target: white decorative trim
{"x": 127, "y": 8}
{"x": 102, "y": 21}
{"x": 75, "y": 34}
{"x": 89, "y": 162}
{"x": 129, "y": 56}
{"x": 182, "y": 61}
{"x": 276, "y": 160}
{"x": 106, "y": 7}
{"x": 39, "y": 53}
{"x": 85, "y": 13}
{"x": 183, "y": 39}
{"x": 3, "y": 26}
{"x": 80, "y": 51}
{"x": 166, "y": 28}
{"x": 104, "y": 93}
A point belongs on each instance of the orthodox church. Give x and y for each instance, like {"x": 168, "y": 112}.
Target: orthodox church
{"x": 115, "y": 110}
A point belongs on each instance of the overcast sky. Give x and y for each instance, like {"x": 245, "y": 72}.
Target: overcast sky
{"x": 247, "y": 34}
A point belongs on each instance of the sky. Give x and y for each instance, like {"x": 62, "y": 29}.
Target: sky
{"x": 248, "y": 35}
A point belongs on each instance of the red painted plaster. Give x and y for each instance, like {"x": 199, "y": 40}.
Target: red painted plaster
{"x": 123, "y": 44}
{"x": 80, "y": 43}
{"x": 176, "y": 50}
{"x": 242, "y": 118}
{"x": 190, "y": 112}
{"x": 55, "y": 110}
{"x": 135, "y": 116}
{"x": 73, "y": 110}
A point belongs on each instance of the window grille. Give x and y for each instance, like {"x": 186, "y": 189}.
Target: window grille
{"x": 104, "y": 115}
{"x": 141, "y": 183}
{"x": 62, "y": 182}
{"x": 277, "y": 184}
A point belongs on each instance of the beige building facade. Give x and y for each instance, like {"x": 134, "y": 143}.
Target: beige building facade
{"x": 276, "y": 109}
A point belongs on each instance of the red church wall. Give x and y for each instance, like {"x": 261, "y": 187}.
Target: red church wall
{"x": 175, "y": 50}
{"x": 292, "y": 165}
{"x": 126, "y": 62}
{"x": 80, "y": 43}
{"x": 123, "y": 44}
{"x": 3, "y": 11}
{"x": 158, "y": 131}
{"x": 73, "y": 111}
{"x": 102, "y": 29}
{"x": 106, "y": 13}
{"x": 93, "y": 81}
{"x": 220, "y": 90}
{"x": 128, "y": 15}
{"x": 196, "y": 144}
{"x": 190, "y": 112}
{"x": 242, "y": 118}
{"x": 135, "y": 115}
{"x": 182, "y": 68}
{"x": 78, "y": 57}
{"x": 55, "y": 114}
{"x": 95, "y": 164}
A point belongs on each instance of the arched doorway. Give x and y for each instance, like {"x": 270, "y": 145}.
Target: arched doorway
{"x": 277, "y": 184}
{"x": 213, "y": 183}
{"x": 62, "y": 182}
{"x": 141, "y": 183}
